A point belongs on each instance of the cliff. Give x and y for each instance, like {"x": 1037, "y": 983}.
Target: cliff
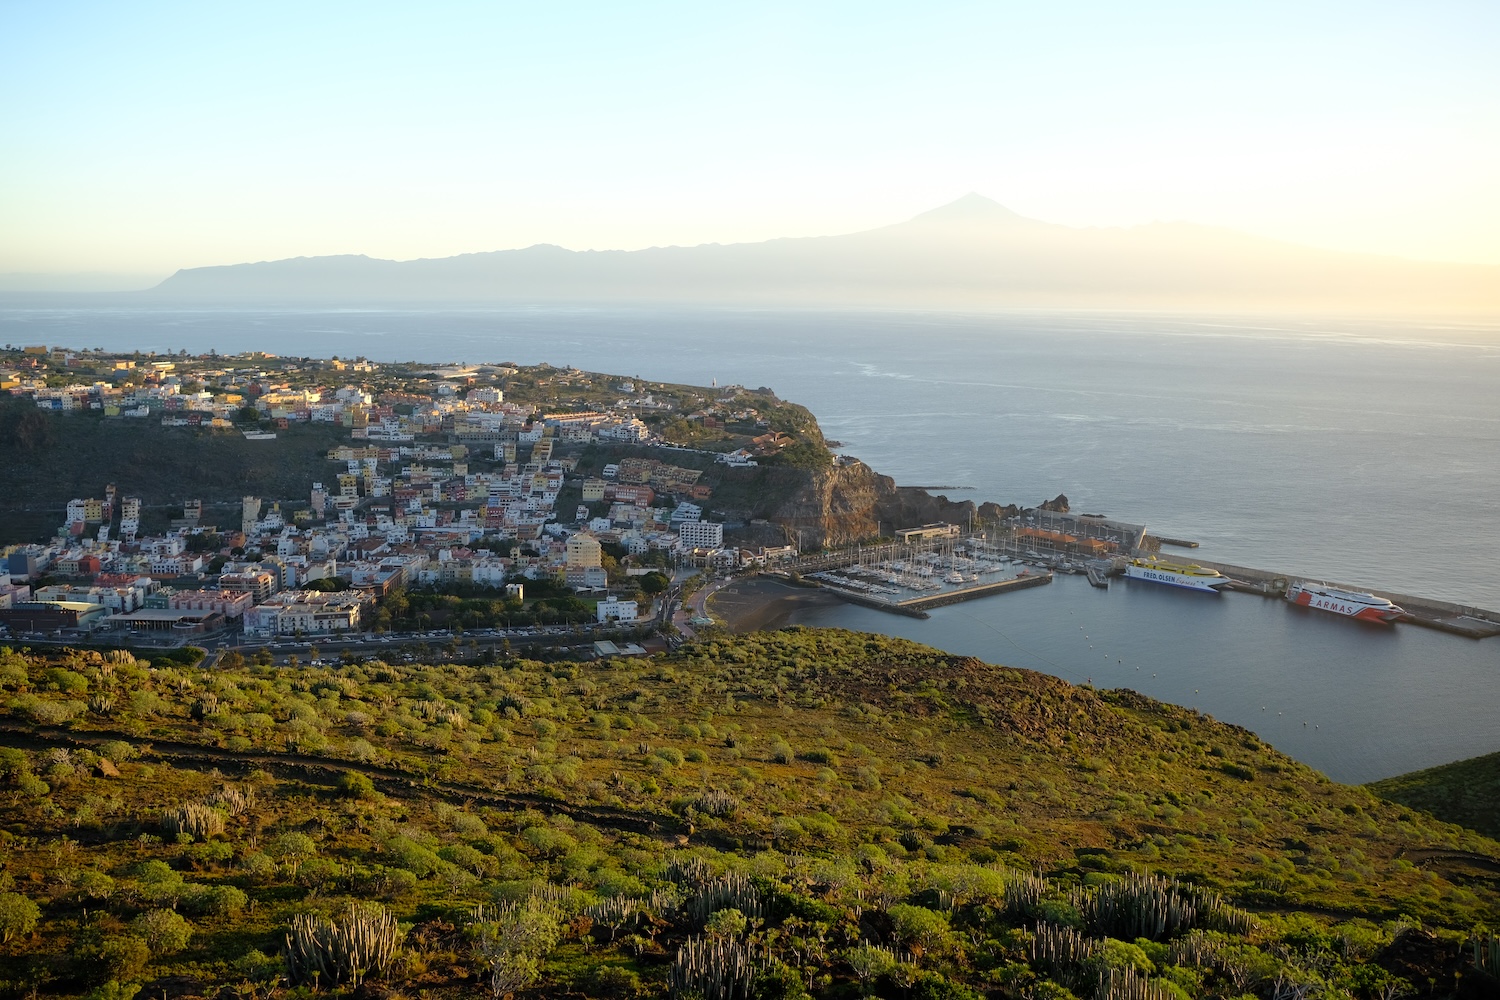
{"x": 843, "y": 504}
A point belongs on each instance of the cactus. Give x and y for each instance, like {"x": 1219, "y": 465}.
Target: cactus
{"x": 615, "y": 913}
{"x": 1060, "y": 949}
{"x": 233, "y": 800}
{"x": 1127, "y": 984}
{"x": 1023, "y": 894}
{"x": 688, "y": 871}
{"x": 194, "y": 819}
{"x": 319, "y": 950}
{"x": 733, "y": 891}
{"x": 1145, "y": 906}
{"x": 715, "y": 802}
{"x": 716, "y": 969}
{"x": 1487, "y": 954}
{"x": 1194, "y": 949}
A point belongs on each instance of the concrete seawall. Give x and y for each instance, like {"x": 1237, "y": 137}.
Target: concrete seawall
{"x": 1460, "y": 619}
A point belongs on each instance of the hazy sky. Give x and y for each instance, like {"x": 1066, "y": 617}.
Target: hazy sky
{"x": 145, "y": 137}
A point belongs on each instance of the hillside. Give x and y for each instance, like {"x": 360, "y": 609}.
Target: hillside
{"x": 972, "y": 253}
{"x": 776, "y": 815}
{"x": 67, "y": 456}
{"x": 1466, "y": 792}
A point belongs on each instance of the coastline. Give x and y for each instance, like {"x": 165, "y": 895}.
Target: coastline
{"x": 761, "y": 603}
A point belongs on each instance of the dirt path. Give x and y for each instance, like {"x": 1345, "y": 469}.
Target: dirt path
{"x": 325, "y": 770}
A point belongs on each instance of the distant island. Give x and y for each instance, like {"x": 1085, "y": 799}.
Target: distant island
{"x": 970, "y": 254}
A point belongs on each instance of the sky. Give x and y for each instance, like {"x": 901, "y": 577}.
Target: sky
{"x": 142, "y": 138}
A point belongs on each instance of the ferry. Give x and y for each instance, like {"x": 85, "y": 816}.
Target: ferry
{"x": 1188, "y": 575}
{"x": 1349, "y": 603}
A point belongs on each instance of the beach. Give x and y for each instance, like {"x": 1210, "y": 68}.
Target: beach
{"x": 762, "y": 602}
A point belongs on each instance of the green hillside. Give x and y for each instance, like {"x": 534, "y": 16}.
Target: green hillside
{"x": 806, "y": 812}
{"x": 51, "y": 458}
{"x": 1466, "y": 792}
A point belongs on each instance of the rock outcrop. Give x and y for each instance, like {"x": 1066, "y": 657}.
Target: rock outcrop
{"x": 848, "y": 503}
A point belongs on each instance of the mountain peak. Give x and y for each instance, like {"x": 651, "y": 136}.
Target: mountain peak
{"x": 972, "y": 208}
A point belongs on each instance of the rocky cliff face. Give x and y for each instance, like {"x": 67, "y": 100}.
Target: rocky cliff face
{"x": 844, "y": 504}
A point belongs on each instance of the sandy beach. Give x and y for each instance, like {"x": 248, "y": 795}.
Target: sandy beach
{"x": 762, "y": 602}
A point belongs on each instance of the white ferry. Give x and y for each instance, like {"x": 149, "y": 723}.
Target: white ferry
{"x": 1188, "y": 575}
{"x": 1350, "y": 603}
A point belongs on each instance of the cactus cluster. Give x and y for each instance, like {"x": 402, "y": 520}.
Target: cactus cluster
{"x": 232, "y": 799}
{"x": 716, "y": 969}
{"x": 1127, "y": 984}
{"x": 617, "y": 913}
{"x": 688, "y": 871}
{"x": 733, "y": 891}
{"x": 716, "y": 802}
{"x": 1194, "y": 949}
{"x": 436, "y": 711}
{"x": 1056, "y": 947}
{"x": 1487, "y": 954}
{"x": 1023, "y": 894}
{"x": 1142, "y": 906}
{"x": 195, "y": 819}
{"x": 362, "y": 943}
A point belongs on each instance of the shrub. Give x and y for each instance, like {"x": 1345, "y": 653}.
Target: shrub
{"x": 292, "y": 849}
{"x": 613, "y": 981}
{"x": 164, "y": 931}
{"x": 730, "y": 923}
{"x": 215, "y": 901}
{"x": 354, "y": 785}
{"x": 407, "y": 853}
{"x": 18, "y": 916}
{"x": 113, "y": 990}
{"x": 119, "y": 751}
{"x": 918, "y": 926}
{"x": 66, "y": 681}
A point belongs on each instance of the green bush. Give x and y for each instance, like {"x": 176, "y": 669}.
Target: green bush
{"x": 18, "y": 916}
{"x": 354, "y": 785}
{"x": 164, "y": 931}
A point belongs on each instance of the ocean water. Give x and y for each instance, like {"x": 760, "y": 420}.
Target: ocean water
{"x": 1355, "y": 451}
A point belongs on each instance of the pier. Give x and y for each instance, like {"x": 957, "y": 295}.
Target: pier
{"x": 1458, "y": 619}
{"x": 916, "y": 607}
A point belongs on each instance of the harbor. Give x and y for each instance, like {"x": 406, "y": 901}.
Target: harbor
{"x": 940, "y": 564}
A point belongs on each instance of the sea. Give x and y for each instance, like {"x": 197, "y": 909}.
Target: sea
{"x": 1359, "y": 451}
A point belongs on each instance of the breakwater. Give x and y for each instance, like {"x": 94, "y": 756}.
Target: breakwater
{"x": 1459, "y": 619}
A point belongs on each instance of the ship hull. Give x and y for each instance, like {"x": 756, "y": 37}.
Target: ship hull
{"x": 1206, "y": 585}
{"x": 1360, "y": 607}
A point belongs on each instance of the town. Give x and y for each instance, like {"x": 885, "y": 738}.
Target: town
{"x": 528, "y": 497}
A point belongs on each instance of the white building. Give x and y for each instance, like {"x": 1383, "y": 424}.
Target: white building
{"x": 701, "y": 534}
{"x": 686, "y": 512}
{"x": 610, "y": 609}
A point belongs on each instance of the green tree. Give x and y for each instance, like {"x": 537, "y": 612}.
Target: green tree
{"x": 164, "y": 931}
{"x": 293, "y": 849}
{"x": 18, "y": 916}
